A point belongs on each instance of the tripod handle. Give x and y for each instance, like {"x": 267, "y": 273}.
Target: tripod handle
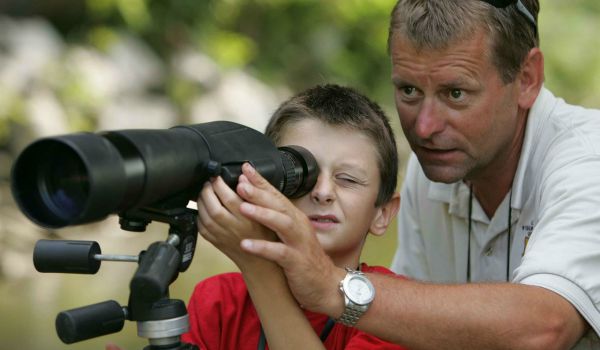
{"x": 158, "y": 268}
{"x": 90, "y": 321}
{"x": 66, "y": 256}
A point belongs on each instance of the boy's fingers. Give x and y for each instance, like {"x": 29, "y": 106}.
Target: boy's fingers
{"x": 208, "y": 199}
{"x": 212, "y": 216}
{"x": 226, "y": 195}
{"x": 206, "y": 225}
{"x": 243, "y": 179}
{"x": 211, "y": 202}
{"x": 257, "y": 180}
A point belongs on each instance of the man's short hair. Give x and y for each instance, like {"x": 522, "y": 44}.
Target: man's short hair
{"x": 435, "y": 24}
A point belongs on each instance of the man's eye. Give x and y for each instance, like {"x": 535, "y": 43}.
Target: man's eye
{"x": 408, "y": 90}
{"x": 456, "y": 94}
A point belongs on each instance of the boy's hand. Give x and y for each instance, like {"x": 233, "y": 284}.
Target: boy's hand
{"x": 221, "y": 223}
{"x": 112, "y": 347}
{"x": 311, "y": 275}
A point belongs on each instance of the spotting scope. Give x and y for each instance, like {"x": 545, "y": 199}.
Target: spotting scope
{"x": 84, "y": 177}
{"x": 143, "y": 176}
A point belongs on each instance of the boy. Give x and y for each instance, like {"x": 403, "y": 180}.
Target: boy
{"x": 354, "y": 146}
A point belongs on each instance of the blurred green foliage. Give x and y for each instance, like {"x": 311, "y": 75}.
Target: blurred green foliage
{"x": 304, "y": 42}
{"x": 294, "y": 43}
{"x": 569, "y": 38}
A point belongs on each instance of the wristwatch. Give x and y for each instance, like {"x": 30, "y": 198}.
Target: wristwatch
{"x": 358, "y": 294}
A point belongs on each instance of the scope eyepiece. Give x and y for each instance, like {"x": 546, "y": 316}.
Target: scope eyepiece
{"x": 301, "y": 171}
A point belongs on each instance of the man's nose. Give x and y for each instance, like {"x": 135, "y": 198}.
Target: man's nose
{"x": 429, "y": 120}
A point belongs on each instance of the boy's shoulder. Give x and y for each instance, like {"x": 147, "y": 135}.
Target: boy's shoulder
{"x": 223, "y": 283}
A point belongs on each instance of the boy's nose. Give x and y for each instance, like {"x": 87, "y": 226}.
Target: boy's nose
{"x": 323, "y": 192}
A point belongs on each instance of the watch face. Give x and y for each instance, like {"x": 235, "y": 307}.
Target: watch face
{"x": 360, "y": 290}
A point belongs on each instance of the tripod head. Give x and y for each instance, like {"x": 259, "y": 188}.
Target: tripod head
{"x": 159, "y": 319}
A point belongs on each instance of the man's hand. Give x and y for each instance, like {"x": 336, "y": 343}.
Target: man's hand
{"x": 311, "y": 275}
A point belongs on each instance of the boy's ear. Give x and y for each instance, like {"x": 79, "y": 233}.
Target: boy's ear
{"x": 385, "y": 215}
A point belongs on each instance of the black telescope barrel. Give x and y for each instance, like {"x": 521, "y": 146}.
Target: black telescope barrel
{"x": 173, "y": 162}
{"x": 83, "y": 177}
{"x": 57, "y": 181}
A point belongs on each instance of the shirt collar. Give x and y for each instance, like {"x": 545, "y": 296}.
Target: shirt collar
{"x": 539, "y": 113}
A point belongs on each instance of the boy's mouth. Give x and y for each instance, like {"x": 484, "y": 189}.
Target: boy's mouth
{"x": 324, "y": 218}
{"x": 323, "y": 222}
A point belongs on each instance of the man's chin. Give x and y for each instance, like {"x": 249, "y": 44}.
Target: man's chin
{"x": 443, "y": 174}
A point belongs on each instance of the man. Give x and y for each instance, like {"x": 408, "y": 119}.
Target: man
{"x": 503, "y": 187}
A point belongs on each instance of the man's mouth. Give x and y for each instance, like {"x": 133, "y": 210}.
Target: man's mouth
{"x": 438, "y": 154}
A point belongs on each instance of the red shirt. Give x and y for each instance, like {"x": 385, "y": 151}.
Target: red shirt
{"x": 222, "y": 317}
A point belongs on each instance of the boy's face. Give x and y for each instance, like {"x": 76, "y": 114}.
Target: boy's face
{"x": 341, "y": 206}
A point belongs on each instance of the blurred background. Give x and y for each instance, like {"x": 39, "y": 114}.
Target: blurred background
{"x": 93, "y": 65}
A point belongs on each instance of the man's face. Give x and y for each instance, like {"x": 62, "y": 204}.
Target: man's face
{"x": 458, "y": 116}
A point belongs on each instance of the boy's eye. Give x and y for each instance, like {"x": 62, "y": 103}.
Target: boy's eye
{"x": 349, "y": 180}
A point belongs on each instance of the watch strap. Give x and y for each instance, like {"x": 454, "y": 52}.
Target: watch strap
{"x": 351, "y": 314}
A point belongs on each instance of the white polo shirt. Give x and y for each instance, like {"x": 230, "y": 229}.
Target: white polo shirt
{"x": 555, "y": 217}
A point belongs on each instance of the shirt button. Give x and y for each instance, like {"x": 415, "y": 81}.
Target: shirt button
{"x": 489, "y": 251}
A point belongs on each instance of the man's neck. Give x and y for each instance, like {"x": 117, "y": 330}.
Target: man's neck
{"x": 491, "y": 188}
{"x": 490, "y": 200}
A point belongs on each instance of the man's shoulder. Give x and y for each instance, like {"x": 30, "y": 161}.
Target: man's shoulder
{"x": 559, "y": 133}
{"x": 553, "y": 115}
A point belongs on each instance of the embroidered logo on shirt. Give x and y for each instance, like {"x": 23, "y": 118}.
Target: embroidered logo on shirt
{"x": 528, "y": 229}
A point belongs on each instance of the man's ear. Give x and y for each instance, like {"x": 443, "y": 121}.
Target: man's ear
{"x": 385, "y": 215}
{"x": 531, "y": 78}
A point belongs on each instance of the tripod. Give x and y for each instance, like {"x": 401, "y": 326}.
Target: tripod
{"x": 159, "y": 319}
